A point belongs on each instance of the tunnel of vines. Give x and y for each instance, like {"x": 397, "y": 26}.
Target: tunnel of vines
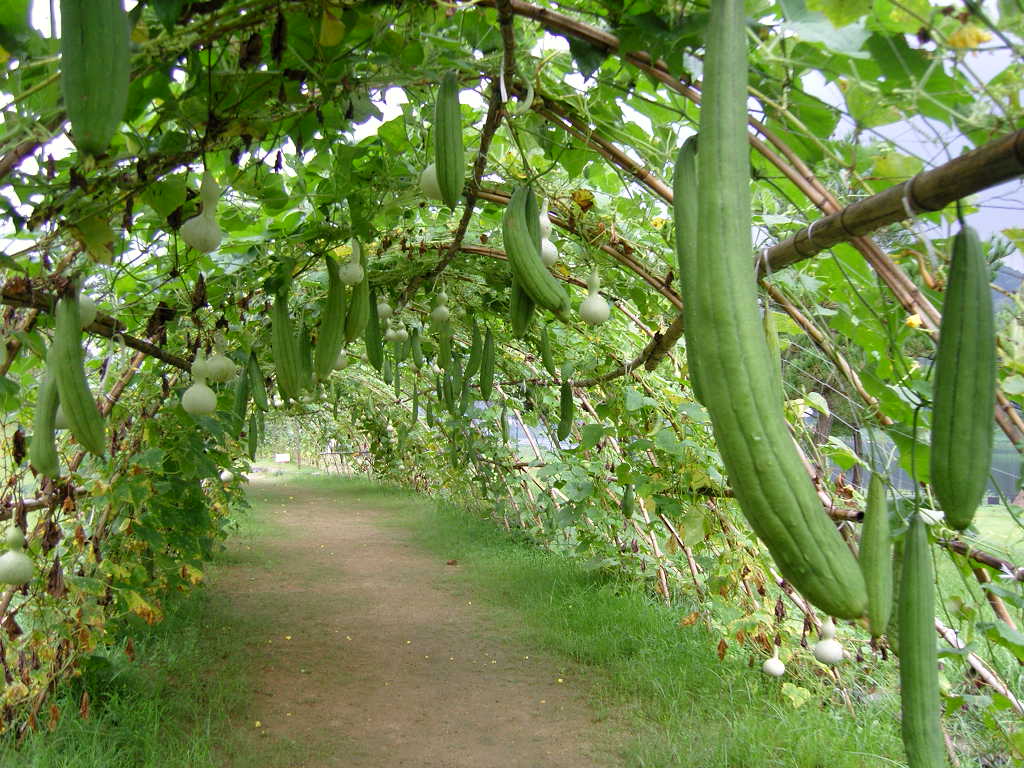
{"x": 721, "y": 298}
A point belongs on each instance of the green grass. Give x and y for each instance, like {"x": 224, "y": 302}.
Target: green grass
{"x": 177, "y": 705}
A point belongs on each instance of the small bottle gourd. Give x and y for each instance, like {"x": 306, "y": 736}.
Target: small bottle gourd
{"x": 428, "y": 183}
{"x": 86, "y": 310}
{"x": 594, "y": 310}
{"x": 548, "y": 251}
{"x": 199, "y": 399}
{"x": 828, "y": 650}
{"x": 202, "y": 231}
{"x": 351, "y": 272}
{"x": 15, "y": 566}
{"x": 219, "y": 367}
{"x": 773, "y": 666}
{"x": 544, "y": 221}
{"x": 440, "y": 313}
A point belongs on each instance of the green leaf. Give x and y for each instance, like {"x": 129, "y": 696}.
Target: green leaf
{"x": 812, "y": 27}
{"x": 797, "y": 695}
{"x": 9, "y": 395}
{"x": 1016, "y": 236}
{"x": 636, "y": 400}
{"x": 97, "y": 236}
{"x": 667, "y": 441}
{"x": 15, "y": 28}
{"x": 167, "y": 11}
{"x": 588, "y": 58}
{"x": 840, "y": 453}
{"x": 841, "y": 12}
{"x": 590, "y": 434}
{"x": 1004, "y": 635}
{"x": 1011, "y": 596}
{"x": 692, "y": 526}
{"x": 914, "y": 455}
{"x": 868, "y": 106}
{"x": 166, "y": 195}
{"x": 1014, "y": 385}
{"x": 33, "y": 341}
{"x": 817, "y": 402}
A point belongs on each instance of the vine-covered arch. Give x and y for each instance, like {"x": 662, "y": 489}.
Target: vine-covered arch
{"x": 262, "y": 127}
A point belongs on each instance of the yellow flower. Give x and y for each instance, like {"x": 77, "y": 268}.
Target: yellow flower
{"x": 968, "y": 37}
{"x": 914, "y": 321}
{"x": 657, "y": 222}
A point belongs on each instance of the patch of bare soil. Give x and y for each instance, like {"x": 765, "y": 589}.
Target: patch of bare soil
{"x": 366, "y": 659}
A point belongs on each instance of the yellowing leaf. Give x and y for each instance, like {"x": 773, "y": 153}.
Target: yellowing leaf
{"x": 689, "y": 619}
{"x": 584, "y": 198}
{"x": 137, "y": 604}
{"x": 332, "y": 31}
{"x": 15, "y": 693}
{"x": 841, "y": 12}
{"x": 797, "y": 696}
{"x": 893, "y": 166}
{"x": 191, "y": 574}
{"x": 97, "y": 237}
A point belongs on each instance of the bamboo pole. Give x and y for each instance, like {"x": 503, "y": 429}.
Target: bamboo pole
{"x": 982, "y": 168}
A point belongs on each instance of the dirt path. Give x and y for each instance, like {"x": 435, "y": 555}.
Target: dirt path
{"x": 366, "y": 658}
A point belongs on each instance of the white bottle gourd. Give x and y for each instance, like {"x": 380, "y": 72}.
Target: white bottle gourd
{"x": 401, "y": 334}
{"x": 384, "y": 310}
{"x": 351, "y": 272}
{"x": 594, "y": 310}
{"x": 774, "y": 667}
{"x": 545, "y": 222}
{"x": 548, "y": 252}
{"x": 219, "y": 367}
{"x": 428, "y": 183}
{"x": 202, "y": 232}
{"x": 342, "y": 361}
{"x": 390, "y": 334}
{"x": 440, "y": 313}
{"x": 828, "y": 650}
{"x": 86, "y": 310}
{"x": 15, "y": 566}
{"x": 199, "y": 399}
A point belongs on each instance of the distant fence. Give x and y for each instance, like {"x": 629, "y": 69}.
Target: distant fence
{"x": 1004, "y": 476}
{"x": 342, "y": 462}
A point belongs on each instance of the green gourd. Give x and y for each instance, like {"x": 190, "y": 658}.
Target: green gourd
{"x": 965, "y": 385}
{"x": 919, "y": 675}
{"x": 727, "y": 343}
